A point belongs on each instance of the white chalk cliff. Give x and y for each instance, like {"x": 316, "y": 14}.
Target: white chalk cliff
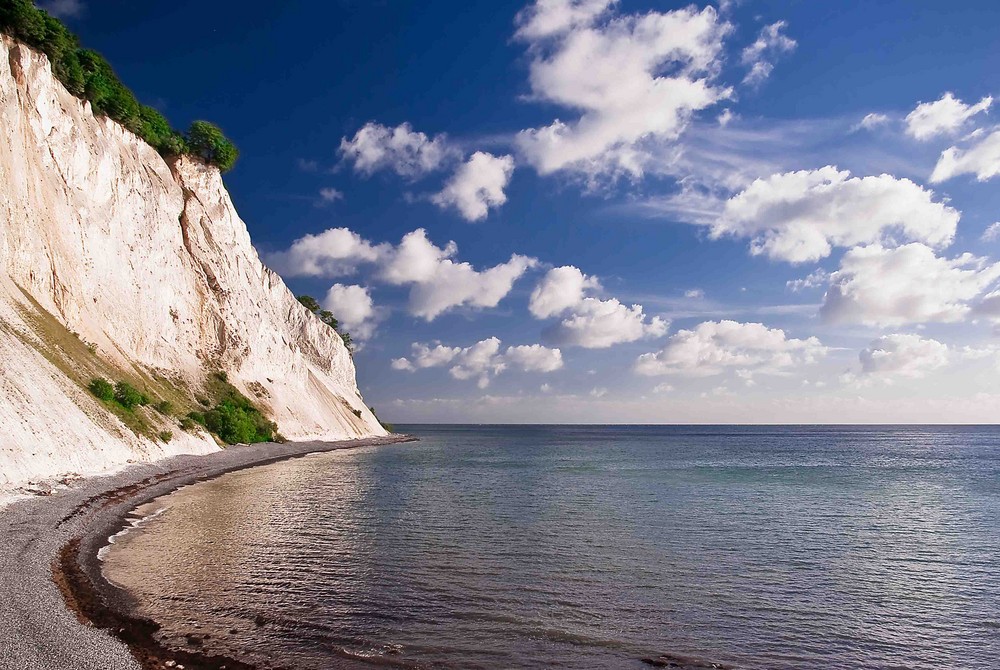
{"x": 115, "y": 261}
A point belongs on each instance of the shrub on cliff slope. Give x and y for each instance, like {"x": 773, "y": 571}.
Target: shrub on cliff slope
{"x": 234, "y": 419}
{"x": 128, "y": 396}
{"x": 86, "y": 74}
{"x": 103, "y": 389}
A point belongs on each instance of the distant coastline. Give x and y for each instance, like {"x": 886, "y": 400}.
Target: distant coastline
{"x": 61, "y": 611}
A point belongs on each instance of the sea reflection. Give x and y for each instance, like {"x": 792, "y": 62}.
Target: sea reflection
{"x": 591, "y": 548}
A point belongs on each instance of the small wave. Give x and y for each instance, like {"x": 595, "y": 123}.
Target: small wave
{"x": 132, "y": 525}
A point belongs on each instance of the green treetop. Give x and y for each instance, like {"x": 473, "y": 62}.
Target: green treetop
{"x": 86, "y": 74}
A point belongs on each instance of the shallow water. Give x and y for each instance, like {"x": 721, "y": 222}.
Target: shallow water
{"x": 590, "y": 547}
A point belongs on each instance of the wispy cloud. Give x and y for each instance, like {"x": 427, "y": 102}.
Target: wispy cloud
{"x": 62, "y": 9}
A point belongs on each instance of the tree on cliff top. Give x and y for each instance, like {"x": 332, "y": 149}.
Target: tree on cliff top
{"x": 326, "y": 316}
{"x": 207, "y": 141}
{"x": 86, "y": 74}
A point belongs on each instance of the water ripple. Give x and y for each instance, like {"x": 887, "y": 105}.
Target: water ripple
{"x": 583, "y": 547}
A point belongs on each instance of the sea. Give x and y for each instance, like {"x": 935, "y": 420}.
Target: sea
{"x": 829, "y": 547}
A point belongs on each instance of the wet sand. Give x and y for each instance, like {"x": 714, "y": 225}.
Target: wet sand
{"x": 56, "y": 609}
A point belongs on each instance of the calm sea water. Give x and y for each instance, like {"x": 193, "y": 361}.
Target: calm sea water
{"x": 591, "y": 547}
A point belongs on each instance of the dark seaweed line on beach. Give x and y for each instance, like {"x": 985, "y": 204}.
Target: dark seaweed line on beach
{"x": 76, "y": 569}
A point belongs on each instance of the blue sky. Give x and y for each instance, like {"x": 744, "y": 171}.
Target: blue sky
{"x": 660, "y": 212}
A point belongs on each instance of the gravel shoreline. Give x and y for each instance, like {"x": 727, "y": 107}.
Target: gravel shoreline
{"x": 56, "y": 539}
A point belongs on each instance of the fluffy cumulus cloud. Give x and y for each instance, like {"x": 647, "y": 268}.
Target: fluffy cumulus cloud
{"x": 437, "y": 282}
{"x": 440, "y": 284}
{"x": 628, "y": 78}
{"x": 713, "y": 347}
{"x": 535, "y": 358}
{"x": 559, "y": 290}
{"x": 982, "y": 159}
{"x": 546, "y": 18}
{"x": 354, "y": 309}
{"x": 800, "y": 216}
{"x": 598, "y": 324}
{"x": 425, "y": 356}
{"x": 760, "y": 56}
{"x": 908, "y": 284}
{"x": 942, "y": 117}
{"x": 481, "y": 361}
{"x": 903, "y": 355}
{"x": 587, "y": 321}
{"x": 401, "y": 149}
{"x": 334, "y": 252}
{"x": 477, "y": 185}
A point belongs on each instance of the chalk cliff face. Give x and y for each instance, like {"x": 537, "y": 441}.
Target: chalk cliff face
{"x": 117, "y": 263}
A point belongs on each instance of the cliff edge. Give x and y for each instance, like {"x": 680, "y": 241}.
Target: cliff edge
{"x": 116, "y": 262}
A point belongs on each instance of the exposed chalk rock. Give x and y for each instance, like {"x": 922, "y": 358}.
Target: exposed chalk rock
{"x": 112, "y": 256}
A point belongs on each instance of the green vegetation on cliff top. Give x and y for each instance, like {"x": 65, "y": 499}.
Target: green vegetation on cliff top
{"x": 327, "y": 317}
{"x": 87, "y": 75}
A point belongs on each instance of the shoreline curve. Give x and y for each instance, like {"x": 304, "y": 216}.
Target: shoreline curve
{"x": 56, "y": 608}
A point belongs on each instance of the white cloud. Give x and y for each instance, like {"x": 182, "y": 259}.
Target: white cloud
{"x": 944, "y": 116}
{"x": 459, "y": 284}
{"x": 726, "y": 117}
{"x": 598, "y": 324}
{"x": 631, "y": 78}
{"x": 598, "y": 392}
{"x": 908, "y": 284}
{"x": 62, "y": 9}
{"x": 328, "y": 195}
{"x": 903, "y": 355}
{"x": 713, "y": 347}
{"x": 354, "y": 309}
{"x": 760, "y": 55}
{"x": 799, "y": 216}
{"x": 816, "y": 278}
{"x": 694, "y": 294}
{"x": 560, "y": 289}
{"x": 547, "y": 18}
{"x": 982, "y": 160}
{"x": 332, "y": 253}
{"x": 477, "y": 185}
{"x": 437, "y": 282}
{"x": 424, "y": 356}
{"x": 871, "y": 121}
{"x": 406, "y": 152}
{"x": 992, "y": 233}
{"x": 482, "y": 361}
{"x": 535, "y": 358}
{"x": 440, "y": 284}
{"x": 415, "y": 260}
{"x": 587, "y": 321}
{"x": 663, "y": 387}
